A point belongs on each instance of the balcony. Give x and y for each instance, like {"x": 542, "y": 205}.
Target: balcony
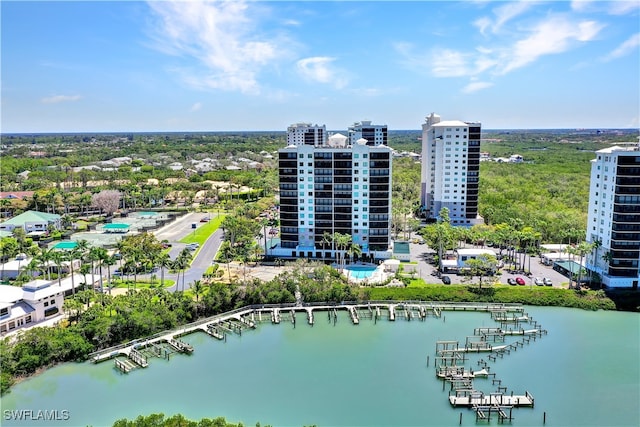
{"x": 379, "y": 195}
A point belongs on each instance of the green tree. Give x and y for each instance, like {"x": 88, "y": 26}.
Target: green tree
{"x": 481, "y": 266}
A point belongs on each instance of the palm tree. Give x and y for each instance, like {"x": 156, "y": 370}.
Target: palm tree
{"x": 197, "y": 288}
{"x": 163, "y": 261}
{"x": 180, "y": 264}
{"x": 35, "y": 198}
{"x": 72, "y": 255}
{"x": 582, "y": 249}
{"x": 227, "y": 252}
{"x": 72, "y": 305}
{"x": 58, "y": 258}
{"x": 93, "y": 256}
{"x": 101, "y": 255}
{"x": 596, "y": 244}
{"x": 109, "y": 260}
{"x": 327, "y": 239}
{"x": 354, "y": 249}
{"x": 45, "y": 257}
{"x": 342, "y": 242}
{"x": 32, "y": 267}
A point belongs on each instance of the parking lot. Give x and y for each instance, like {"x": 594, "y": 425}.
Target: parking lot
{"x": 423, "y": 254}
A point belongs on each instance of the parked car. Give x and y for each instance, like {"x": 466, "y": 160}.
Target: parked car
{"x": 511, "y": 281}
{"x": 547, "y": 281}
{"x": 192, "y": 246}
{"x": 446, "y": 280}
{"x": 520, "y": 281}
{"x": 538, "y": 281}
{"x": 205, "y": 219}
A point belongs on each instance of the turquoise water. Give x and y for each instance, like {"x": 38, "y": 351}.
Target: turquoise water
{"x": 145, "y": 214}
{"x": 361, "y": 272}
{"x": 585, "y": 372}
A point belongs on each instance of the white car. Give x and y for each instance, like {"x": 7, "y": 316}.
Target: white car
{"x": 538, "y": 281}
{"x": 547, "y": 281}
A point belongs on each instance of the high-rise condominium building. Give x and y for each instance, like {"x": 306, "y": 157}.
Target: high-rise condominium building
{"x": 374, "y": 134}
{"x": 306, "y": 134}
{"x": 333, "y": 186}
{"x": 614, "y": 216}
{"x": 450, "y": 169}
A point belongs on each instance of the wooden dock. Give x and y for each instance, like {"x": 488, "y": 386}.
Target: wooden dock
{"x": 472, "y": 398}
{"x": 162, "y": 344}
{"x": 180, "y": 346}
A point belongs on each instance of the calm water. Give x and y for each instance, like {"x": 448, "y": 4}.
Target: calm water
{"x": 361, "y": 272}
{"x": 585, "y": 372}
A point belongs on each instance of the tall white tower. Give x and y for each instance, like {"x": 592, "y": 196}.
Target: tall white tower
{"x": 306, "y": 134}
{"x": 334, "y": 187}
{"x": 450, "y": 169}
{"x": 374, "y": 134}
{"x": 614, "y": 216}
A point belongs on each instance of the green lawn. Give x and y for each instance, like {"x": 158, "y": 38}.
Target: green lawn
{"x": 140, "y": 284}
{"x": 204, "y": 230}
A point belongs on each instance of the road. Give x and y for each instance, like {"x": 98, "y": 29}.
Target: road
{"x": 176, "y": 231}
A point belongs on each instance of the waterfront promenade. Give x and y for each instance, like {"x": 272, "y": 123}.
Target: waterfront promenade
{"x": 247, "y": 317}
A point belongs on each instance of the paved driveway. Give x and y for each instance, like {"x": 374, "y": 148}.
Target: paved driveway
{"x": 423, "y": 253}
{"x": 177, "y": 230}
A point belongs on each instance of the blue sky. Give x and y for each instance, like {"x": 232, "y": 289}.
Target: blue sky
{"x": 83, "y": 66}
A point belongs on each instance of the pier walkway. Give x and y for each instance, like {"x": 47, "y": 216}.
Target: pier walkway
{"x": 237, "y": 320}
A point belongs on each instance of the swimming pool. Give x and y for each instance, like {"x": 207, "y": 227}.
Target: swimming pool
{"x": 360, "y": 271}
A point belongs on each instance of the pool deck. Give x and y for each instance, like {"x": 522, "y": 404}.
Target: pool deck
{"x": 378, "y": 275}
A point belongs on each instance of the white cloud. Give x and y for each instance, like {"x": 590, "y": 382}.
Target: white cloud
{"x": 581, "y": 5}
{"x": 628, "y": 46}
{"x": 195, "y": 107}
{"x": 503, "y": 14}
{"x": 223, "y": 37}
{"x": 476, "y": 86}
{"x": 55, "y": 99}
{"x": 319, "y": 69}
{"x": 439, "y": 62}
{"x": 623, "y": 7}
{"x": 449, "y": 63}
{"x": 552, "y": 36}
